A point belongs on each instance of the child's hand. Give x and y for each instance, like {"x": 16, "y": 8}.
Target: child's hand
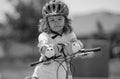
{"x": 44, "y": 58}
{"x": 49, "y": 52}
{"x": 43, "y": 49}
{"x": 75, "y": 47}
{"x": 30, "y": 77}
{"x": 47, "y": 63}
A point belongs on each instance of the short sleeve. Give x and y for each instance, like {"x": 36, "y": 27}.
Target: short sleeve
{"x": 43, "y": 40}
{"x": 73, "y": 38}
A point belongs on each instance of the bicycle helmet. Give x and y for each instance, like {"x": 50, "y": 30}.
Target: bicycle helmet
{"x": 55, "y": 7}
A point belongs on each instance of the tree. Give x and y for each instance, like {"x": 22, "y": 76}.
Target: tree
{"x": 101, "y": 33}
{"x": 25, "y": 28}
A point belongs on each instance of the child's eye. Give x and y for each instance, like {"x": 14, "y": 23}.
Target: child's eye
{"x": 59, "y": 19}
{"x": 52, "y": 20}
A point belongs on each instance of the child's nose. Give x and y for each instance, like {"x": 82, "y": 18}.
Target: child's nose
{"x": 56, "y": 23}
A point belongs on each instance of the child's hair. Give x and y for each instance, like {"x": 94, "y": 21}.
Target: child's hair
{"x": 44, "y": 26}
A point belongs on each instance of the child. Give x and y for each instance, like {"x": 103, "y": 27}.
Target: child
{"x": 55, "y": 30}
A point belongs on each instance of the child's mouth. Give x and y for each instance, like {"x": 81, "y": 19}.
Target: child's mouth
{"x": 57, "y": 26}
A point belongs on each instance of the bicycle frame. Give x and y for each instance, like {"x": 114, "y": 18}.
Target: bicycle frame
{"x": 68, "y": 72}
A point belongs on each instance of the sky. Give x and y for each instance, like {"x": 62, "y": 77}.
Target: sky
{"x": 7, "y": 7}
{"x": 87, "y": 6}
{"x": 75, "y": 6}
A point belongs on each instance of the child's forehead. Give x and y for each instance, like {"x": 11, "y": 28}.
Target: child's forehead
{"x": 56, "y": 16}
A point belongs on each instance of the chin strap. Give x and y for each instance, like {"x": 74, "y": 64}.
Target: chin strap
{"x": 56, "y": 34}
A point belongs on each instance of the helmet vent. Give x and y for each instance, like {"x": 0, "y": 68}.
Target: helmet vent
{"x": 53, "y": 7}
{"x": 54, "y": 0}
{"x": 59, "y": 7}
{"x": 48, "y": 7}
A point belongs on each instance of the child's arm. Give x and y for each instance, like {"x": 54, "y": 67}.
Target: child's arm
{"x": 45, "y": 47}
{"x": 74, "y": 43}
{"x": 31, "y": 77}
{"x": 77, "y": 45}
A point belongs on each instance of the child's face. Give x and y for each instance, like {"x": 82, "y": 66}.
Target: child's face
{"x": 56, "y": 23}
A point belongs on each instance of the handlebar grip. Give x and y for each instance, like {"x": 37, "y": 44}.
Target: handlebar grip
{"x": 35, "y": 63}
{"x": 97, "y": 49}
{"x": 91, "y": 50}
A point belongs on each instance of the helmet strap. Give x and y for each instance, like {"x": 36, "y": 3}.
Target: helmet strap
{"x": 56, "y": 34}
{"x": 54, "y": 0}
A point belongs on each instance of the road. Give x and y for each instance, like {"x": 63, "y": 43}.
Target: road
{"x": 21, "y": 70}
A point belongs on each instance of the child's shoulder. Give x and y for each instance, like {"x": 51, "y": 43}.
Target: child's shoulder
{"x": 43, "y": 35}
{"x": 71, "y": 34}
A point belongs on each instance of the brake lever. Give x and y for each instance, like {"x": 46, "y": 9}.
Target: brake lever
{"x": 85, "y": 51}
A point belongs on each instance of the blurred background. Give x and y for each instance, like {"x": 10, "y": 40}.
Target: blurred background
{"x": 95, "y": 22}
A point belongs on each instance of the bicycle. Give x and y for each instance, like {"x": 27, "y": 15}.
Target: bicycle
{"x": 81, "y": 52}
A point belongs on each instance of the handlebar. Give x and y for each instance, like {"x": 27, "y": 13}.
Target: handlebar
{"x": 82, "y": 51}
{"x": 48, "y": 59}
